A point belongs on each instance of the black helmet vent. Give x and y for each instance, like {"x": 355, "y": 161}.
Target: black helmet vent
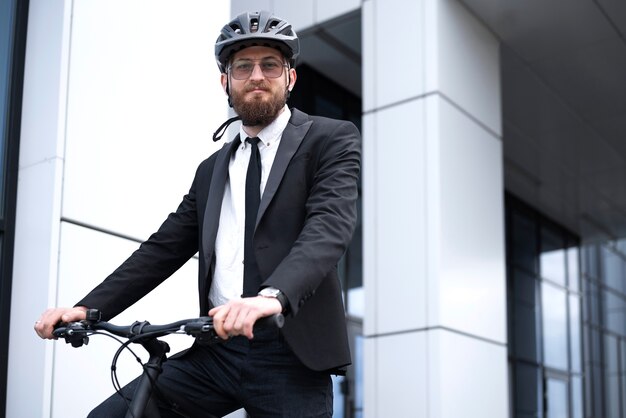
{"x": 272, "y": 25}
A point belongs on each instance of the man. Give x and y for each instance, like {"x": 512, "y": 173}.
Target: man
{"x": 259, "y": 253}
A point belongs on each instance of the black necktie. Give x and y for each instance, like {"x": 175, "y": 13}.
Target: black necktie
{"x": 251, "y": 277}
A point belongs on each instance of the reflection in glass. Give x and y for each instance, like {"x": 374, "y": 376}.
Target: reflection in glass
{"x": 525, "y": 332}
{"x": 613, "y": 270}
{"x": 6, "y": 41}
{"x": 556, "y": 395}
{"x": 529, "y": 390}
{"x": 554, "y": 326}
{"x": 552, "y": 258}
{"x": 338, "y": 396}
{"x": 614, "y": 311}
{"x": 524, "y": 241}
{"x": 524, "y": 287}
{"x": 611, "y": 376}
{"x": 356, "y": 302}
{"x": 358, "y": 376}
{"x": 623, "y": 368}
{"x": 574, "y": 332}
{"x": 577, "y": 397}
{"x": 573, "y": 271}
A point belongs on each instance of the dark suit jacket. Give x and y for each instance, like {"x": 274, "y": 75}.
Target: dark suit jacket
{"x": 305, "y": 222}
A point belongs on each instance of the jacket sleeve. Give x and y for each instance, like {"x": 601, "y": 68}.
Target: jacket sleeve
{"x": 330, "y": 219}
{"x": 175, "y": 242}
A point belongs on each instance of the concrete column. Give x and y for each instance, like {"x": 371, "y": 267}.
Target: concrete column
{"x": 434, "y": 273}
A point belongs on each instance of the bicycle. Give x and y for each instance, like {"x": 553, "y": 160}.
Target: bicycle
{"x": 77, "y": 334}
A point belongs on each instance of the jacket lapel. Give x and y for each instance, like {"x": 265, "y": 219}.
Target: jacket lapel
{"x": 293, "y": 135}
{"x": 214, "y": 200}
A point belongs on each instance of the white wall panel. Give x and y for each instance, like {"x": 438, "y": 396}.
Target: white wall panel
{"x": 301, "y": 14}
{"x": 45, "y": 83}
{"x": 435, "y": 225}
{"x": 36, "y": 248}
{"x": 468, "y": 70}
{"x": 399, "y": 66}
{"x": 144, "y": 99}
{"x": 397, "y": 370}
{"x": 133, "y": 90}
{"x": 240, "y": 6}
{"x": 370, "y": 215}
{"x": 467, "y": 377}
{"x": 329, "y": 9}
{"x": 369, "y": 56}
{"x": 38, "y": 205}
{"x": 87, "y": 257}
{"x": 400, "y": 211}
{"x": 471, "y": 279}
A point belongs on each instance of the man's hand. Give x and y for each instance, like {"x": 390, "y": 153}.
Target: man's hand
{"x": 238, "y": 316}
{"x": 45, "y": 325}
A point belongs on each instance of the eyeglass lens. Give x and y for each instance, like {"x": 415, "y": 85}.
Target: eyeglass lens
{"x": 242, "y": 69}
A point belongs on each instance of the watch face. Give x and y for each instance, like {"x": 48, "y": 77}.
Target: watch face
{"x": 269, "y": 292}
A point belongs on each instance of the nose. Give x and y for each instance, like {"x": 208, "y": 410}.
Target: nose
{"x": 257, "y": 74}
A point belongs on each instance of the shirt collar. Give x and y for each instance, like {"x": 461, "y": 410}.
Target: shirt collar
{"x": 272, "y": 132}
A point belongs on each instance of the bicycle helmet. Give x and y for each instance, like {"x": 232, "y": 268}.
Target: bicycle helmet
{"x": 256, "y": 29}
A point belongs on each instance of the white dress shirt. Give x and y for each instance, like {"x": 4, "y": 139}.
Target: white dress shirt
{"x": 227, "y": 281}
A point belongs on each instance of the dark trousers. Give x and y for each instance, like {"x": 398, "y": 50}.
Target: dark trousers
{"x": 263, "y": 376}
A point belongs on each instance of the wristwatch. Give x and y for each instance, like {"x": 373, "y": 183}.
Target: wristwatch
{"x": 272, "y": 292}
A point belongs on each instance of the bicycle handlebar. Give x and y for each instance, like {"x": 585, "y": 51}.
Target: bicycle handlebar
{"x": 76, "y": 333}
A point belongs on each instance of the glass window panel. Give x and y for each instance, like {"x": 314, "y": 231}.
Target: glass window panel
{"x": 524, "y": 241}
{"x": 596, "y": 389}
{"x": 524, "y": 287}
{"x": 596, "y": 353}
{"x": 356, "y": 302}
{"x": 589, "y": 259}
{"x": 358, "y": 373}
{"x": 526, "y": 345}
{"x": 574, "y": 332}
{"x": 577, "y": 396}
{"x": 552, "y": 258}
{"x": 573, "y": 271}
{"x": 338, "y": 396}
{"x": 593, "y": 298}
{"x": 6, "y": 41}
{"x": 612, "y": 270}
{"x": 623, "y": 370}
{"x": 528, "y": 389}
{"x": 614, "y": 311}
{"x": 554, "y": 313}
{"x": 611, "y": 376}
{"x": 621, "y": 245}
{"x": 556, "y": 395}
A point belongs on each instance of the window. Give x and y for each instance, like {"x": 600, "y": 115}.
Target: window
{"x": 604, "y": 328}
{"x": 544, "y": 300}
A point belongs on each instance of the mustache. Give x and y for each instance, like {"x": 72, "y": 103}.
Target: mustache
{"x": 256, "y": 85}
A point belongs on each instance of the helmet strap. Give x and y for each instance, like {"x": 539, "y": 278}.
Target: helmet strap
{"x": 230, "y": 102}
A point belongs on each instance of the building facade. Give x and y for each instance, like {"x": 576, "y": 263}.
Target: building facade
{"x": 487, "y": 275}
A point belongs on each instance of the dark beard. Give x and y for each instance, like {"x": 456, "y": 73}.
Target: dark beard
{"x": 257, "y": 112}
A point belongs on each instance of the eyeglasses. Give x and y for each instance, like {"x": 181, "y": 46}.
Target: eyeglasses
{"x": 270, "y": 67}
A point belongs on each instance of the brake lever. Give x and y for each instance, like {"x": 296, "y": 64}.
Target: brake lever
{"x": 203, "y": 330}
{"x": 73, "y": 333}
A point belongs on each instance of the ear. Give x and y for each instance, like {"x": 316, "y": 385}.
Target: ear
{"x": 224, "y": 81}
{"x": 292, "y": 78}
